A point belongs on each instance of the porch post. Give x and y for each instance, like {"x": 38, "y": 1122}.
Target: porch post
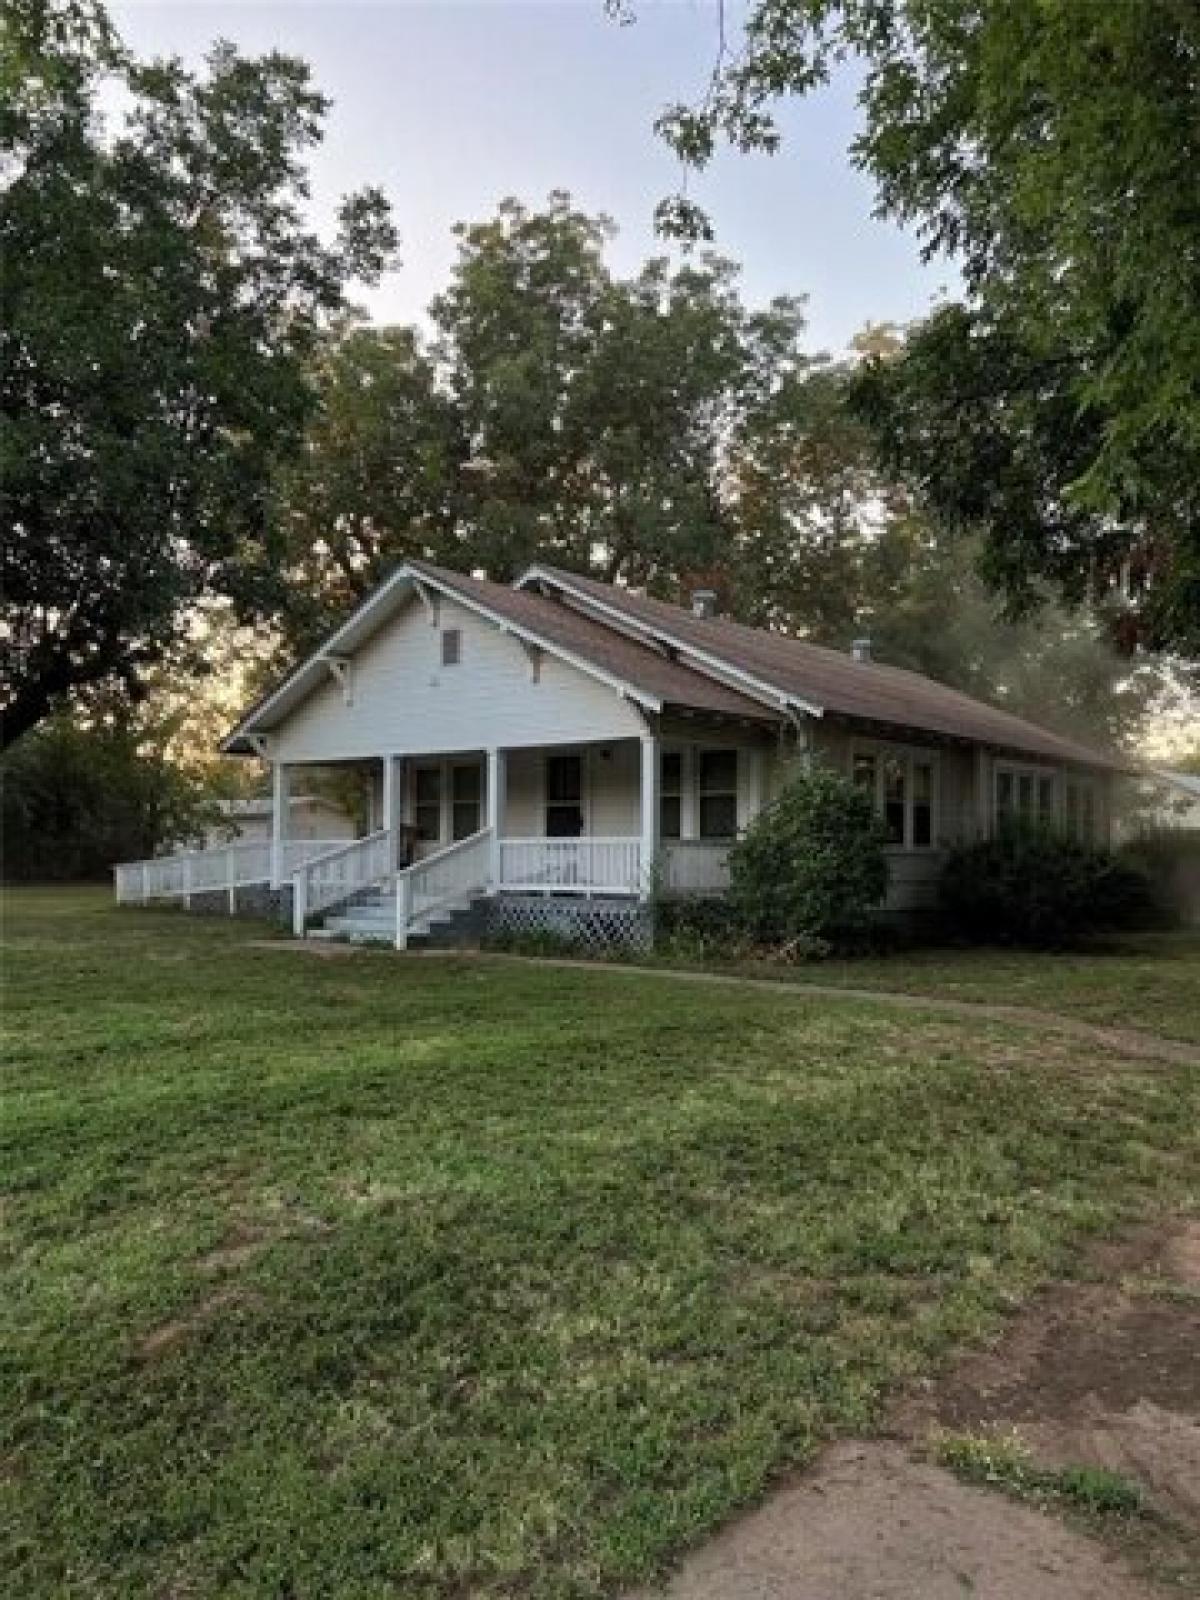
{"x": 754, "y": 783}
{"x": 497, "y": 781}
{"x": 281, "y": 785}
{"x": 650, "y": 819}
{"x": 983, "y": 794}
{"x": 391, "y": 802}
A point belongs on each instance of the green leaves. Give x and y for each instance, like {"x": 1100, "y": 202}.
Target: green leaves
{"x": 1051, "y": 146}
{"x": 160, "y": 301}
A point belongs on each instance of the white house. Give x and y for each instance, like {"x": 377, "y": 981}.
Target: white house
{"x": 552, "y": 749}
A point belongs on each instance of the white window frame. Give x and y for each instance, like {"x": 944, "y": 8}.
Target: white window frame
{"x": 1016, "y": 770}
{"x": 690, "y": 752}
{"x": 881, "y": 750}
{"x": 1082, "y": 783}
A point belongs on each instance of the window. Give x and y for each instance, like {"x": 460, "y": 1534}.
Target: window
{"x": 428, "y": 804}
{"x": 895, "y": 798}
{"x": 670, "y": 799}
{"x": 564, "y": 797}
{"x": 1025, "y": 797}
{"x": 1079, "y": 810}
{"x": 718, "y": 794}
{"x": 865, "y": 773}
{"x": 922, "y": 804}
{"x": 451, "y": 647}
{"x": 903, "y": 787}
{"x": 465, "y": 791}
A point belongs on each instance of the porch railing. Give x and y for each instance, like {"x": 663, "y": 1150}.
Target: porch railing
{"x": 694, "y": 866}
{"x": 455, "y": 874}
{"x": 229, "y": 867}
{"x": 340, "y": 873}
{"x": 586, "y": 865}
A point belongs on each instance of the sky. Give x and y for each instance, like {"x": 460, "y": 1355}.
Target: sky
{"x": 450, "y": 105}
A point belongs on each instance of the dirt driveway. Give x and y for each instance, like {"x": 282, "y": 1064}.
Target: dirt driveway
{"x": 1102, "y": 1373}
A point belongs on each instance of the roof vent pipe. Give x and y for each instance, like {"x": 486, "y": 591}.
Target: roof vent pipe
{"x": 861, "y": 650}
{"x": 704, "y": 602}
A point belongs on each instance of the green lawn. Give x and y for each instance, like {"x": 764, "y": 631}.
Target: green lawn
{"x": 1151, "y": 982}
{"x": 376, "y": 1277}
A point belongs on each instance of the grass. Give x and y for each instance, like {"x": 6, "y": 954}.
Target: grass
{"x": 1151, "y": 982}
{"x": 1004, "y": 1461}
{"x": 404, "y": 1277}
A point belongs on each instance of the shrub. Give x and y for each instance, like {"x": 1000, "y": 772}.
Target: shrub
{"x": 811, "y": 866}
{"x": 1033, "y": 887}
{"x": 1169, "y": 858}
{"x": 691, "y": 927}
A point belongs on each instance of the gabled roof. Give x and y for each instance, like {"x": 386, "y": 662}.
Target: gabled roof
{"x": 660, "y": 655}
{"x": 635, "y": 669}
{"x": 625, "y": 660}
{"x": 825, "y": 680}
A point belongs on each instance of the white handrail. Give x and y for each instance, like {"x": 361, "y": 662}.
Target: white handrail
{"x": 340, "y": 873}
{"x": 455, "y": 873}
{"x": 225, "y": 867}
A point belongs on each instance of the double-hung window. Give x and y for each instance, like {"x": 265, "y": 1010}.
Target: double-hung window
{"x": 1079, "y": 810}
{"x": 466, "y": 788}
{"x": 1025, "y": 797}
{"x": 670, "y": 799}
{"x": 902, "y": 785}
{"x": 427, "y": 803}
{"x": 717, "y": 772}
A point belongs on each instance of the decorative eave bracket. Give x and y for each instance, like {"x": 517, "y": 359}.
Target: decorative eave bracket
{"x": 431, "y": 600}
{"x": 533, "y": 654}
{"x": 342, "y": 669}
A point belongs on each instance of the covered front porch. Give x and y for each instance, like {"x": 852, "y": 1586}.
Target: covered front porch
{"x": 619, "y": 818}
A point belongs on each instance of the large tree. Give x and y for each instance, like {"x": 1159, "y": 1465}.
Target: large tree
{"x": 561, "y": 411}
{"x": 160, "y": 299}
{"x": 1052, "y": 146}
{"x": 598, "y": 409}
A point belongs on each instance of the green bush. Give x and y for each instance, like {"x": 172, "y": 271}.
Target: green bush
{"x": 1169, "y": 858}
{"x": 811, "y": 867}
{"x": 1033, "y": 887}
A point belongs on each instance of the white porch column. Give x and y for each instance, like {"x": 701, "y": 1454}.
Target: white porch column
{"x": 496, "y": 784}
{"x": 387, "y": 817}
{"x": 650, "y": 810}
{"x": 689, "y": 818}
{"x": 983, "y": 794}
{"x": 281, "y": 789}
{"x": 392, "y": 802}
{"x": 755, "y": 783}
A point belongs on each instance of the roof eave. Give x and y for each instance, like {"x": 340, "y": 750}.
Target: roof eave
{"x": 771, "y": 694}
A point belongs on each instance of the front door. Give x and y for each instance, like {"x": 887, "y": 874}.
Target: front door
{"x": 564, "y": 796}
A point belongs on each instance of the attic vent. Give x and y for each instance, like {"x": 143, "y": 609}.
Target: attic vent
{"x": 861, "y": 650}
{"x": 451, "y": 647}
{"x": 704, "y": 603}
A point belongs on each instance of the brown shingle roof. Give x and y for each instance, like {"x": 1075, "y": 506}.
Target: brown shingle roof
{"x": 639, "y": 665}
{"x": 868, "y": 691}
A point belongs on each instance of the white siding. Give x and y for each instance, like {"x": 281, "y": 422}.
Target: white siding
{"x": 403, "y": 699}
{"x": 611, "y": 791}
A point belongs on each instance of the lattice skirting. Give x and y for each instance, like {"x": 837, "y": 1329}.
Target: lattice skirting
{"x": 598, "y": 924}
{"x": 257, "y": 900}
